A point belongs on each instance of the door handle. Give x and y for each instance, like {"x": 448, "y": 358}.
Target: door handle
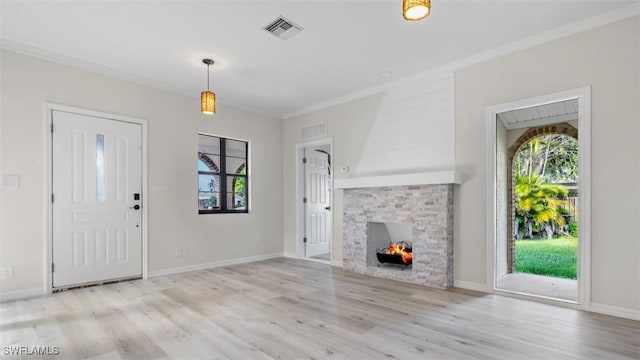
{"x": 328, "y": 208}
{"x": 135, "y": 207}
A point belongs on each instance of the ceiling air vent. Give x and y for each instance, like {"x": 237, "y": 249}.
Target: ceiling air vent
{"x": 283, "y": 28}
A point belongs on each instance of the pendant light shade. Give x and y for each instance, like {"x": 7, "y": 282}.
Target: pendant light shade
{"x": 414, "y": 10}
{"x": 208, "y": 98}
{"x": 208, "y": 102}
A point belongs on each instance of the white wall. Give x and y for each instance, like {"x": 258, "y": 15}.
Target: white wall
{"x": 607, "y": 59}
{"x": 174, "y": 122}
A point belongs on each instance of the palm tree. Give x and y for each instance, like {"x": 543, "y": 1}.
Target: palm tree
{"x": 540, "y": 204}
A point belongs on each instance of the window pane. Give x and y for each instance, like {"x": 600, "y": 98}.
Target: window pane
{"x": 202, "y": 166}
{"x": 236, "y": 192}
{"x": 236, "y": 148}
{"x": 208, "y": 192}
{"x": 208, "y": 182}
{"x": 236, "y": 184}
{"x": 236, "y": 166}
{"x": 209, "y": 144}
{"x": 100, "y": 168}
{"x": 208, "y": 200}
{"x": 208, "y": 162}
{"x": 236, "y": 201}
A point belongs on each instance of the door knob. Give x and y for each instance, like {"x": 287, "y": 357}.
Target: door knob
{"x": 328, "y": 208}
{"x": 135, "y": 207}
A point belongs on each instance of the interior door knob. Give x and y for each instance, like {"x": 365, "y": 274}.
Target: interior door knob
{"x": 328, "y": 208}
{"x": 135, "y": 207}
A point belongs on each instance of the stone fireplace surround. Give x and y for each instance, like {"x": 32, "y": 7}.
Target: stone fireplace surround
{"x": 426, "y": 205}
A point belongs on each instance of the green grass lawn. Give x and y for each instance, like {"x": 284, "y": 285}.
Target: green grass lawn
{"x": 556, "y": 257}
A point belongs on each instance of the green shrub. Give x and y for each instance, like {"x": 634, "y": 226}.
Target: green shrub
{"x": 573, "y": 228}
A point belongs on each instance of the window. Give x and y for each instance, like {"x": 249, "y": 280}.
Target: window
{"x": 223, "y": 177}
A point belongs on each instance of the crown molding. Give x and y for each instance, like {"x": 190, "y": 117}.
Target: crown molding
{"x": 539, "y": 39}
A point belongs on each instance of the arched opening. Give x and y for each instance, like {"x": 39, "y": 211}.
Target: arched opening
{"x": 543, "y": 195}
{"x": 537, "y": 194}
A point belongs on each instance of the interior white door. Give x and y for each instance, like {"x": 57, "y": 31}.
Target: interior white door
{"x": 318, "y": 203}
{"x": 97, "y": 189}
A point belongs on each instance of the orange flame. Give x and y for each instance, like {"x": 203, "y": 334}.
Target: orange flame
{"x": 396, "y": 249}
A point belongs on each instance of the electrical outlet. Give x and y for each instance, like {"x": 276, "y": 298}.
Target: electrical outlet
{"x": 179, "y": 252}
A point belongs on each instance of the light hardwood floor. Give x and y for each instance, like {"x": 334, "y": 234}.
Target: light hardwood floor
{"x": 294, "y": 309}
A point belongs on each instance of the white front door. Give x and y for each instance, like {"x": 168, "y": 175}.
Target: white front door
{"x": 97, "y": 189}
{"x": 318, "y": 203}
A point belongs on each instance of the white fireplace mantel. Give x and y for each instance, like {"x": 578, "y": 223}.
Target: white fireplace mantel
{"x": 422, "y": 178}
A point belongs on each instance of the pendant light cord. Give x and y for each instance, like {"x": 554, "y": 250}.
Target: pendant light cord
{"x": 208, "y": 76}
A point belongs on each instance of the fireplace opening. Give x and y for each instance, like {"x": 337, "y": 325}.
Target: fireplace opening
{"x": 399, "y": 253}
{"x": 389, "y": 244}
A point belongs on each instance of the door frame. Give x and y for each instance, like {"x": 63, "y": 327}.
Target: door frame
{"x": 300, "y": 227}
{"x": 583, "y": 95}
{"x": 48, "y": 180}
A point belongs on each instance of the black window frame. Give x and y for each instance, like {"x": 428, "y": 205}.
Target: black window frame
{"x": 223, "y": 174}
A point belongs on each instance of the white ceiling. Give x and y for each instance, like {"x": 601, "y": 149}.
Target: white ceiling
{"x": 540, "y": 115}
{"x": 342, "y": 49}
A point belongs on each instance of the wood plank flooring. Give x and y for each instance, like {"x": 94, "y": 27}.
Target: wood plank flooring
{"x": 294, "y": 309}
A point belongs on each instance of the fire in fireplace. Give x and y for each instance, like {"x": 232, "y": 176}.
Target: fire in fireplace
{"x": 399, "y": 253}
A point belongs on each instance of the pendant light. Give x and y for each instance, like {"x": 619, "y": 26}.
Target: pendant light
{"x": 414, "y": 10}
{"x": 208, "y": 98}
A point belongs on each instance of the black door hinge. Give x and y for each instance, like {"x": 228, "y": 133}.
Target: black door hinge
{"x": 304, "y": 240}
{"x": 304, "y": 160}
{"x": 304, "y": 200}
{"x": 51, "y": 267}
{"x": 52, "y": 128}
{"x": 52, "y": 198}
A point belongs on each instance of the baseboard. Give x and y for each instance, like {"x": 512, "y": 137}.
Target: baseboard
{"x": 337, "y": 263}
{"x": 470, "y": 286}
{"x": 21, "y": 294}
{"x": 214, "y": 264}
{"x": 291, "y": 255}
{"x": 626, "y": 313}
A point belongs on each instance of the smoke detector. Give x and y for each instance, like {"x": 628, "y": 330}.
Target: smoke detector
{"x": 283, "y": 28}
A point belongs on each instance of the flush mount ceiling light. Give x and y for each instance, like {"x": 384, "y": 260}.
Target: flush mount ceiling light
{"x": 414, "y": 10}
{"x": 208, "y": 98}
